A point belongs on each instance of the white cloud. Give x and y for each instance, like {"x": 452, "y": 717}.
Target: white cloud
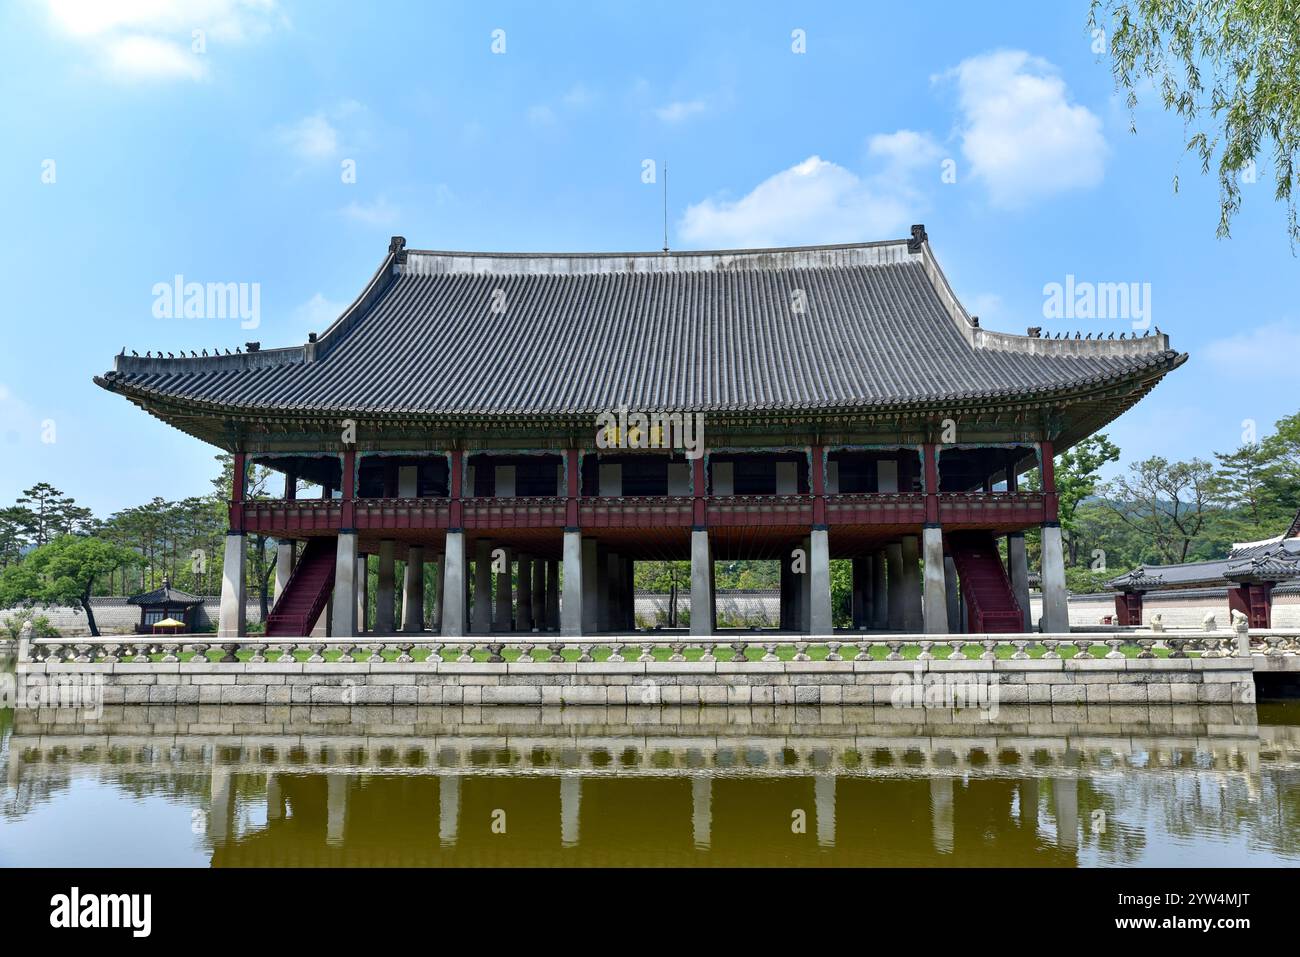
{"x": 1267, "y": 350}
{"x": 541, "y": 115}
{"x": 1019, "y": 133}
{"x": 577, "y": 98}
{"x": 152, "y": 39}
{"x": 311, "y": 138}
{"x": 904, "y": 149}
{"x": 142, "y": 58}
{"x": 986, "y": 305}
{"x": 378, "y": 213}
{"x": 680, "y": 110}
{"x": 815, "y": 201}
{"x": 316, "y": 314}
{"x": 16, "y": 419}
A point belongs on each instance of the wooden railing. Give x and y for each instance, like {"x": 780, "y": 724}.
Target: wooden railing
{"x": 956, "y": 509}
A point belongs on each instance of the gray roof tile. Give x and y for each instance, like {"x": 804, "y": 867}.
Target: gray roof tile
{"x": 697, "y": 332}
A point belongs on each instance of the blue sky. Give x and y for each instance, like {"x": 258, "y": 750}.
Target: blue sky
{"x": 226, "y": 165}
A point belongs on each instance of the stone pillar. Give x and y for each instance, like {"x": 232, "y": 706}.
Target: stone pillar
{"x": 1018, "y": 570}
{"x": 819, "y": 583}
{"x": 503, "y": 610}
{"x": 894, "y": 558}
{"x": 824, "y": 801}
{"x": 448, "y": 807}
{"x": 283, "y": 566}
{"x": 953, "y": 597}
{"x": 482, "y": 621}
{"x": 386, "y": 591}
{"x": 274, "y": 798}
{"x": 343, "y": 609}
{"x": 524, "y": 594}
{"x": 629, "y": 594}
{"x": 452, "y": 598}
{"x": 572, "y": 609}
{"x": 438, "y": 566}
{"x": 701, "y": 583}
{"x": 602, "y": 590}
{"x": 570, "y": 809}
{"x": 702, "y": 811}
{"x": 879, "y": 592}
{"x": 232, "y": 620}
{"x": 613, "y": 593}
{"x": 363, "y": 594}
{"x": 413, "y": 590}
{"x": 539, "y": 594}
{"x": 936, "y": 587}
{"x": 911, "y": 557}
{"x": 789, "y": 612}
{"x": 1066, "y": 793}
{"x": 336, "y": 808}
{"x": 941, "y": 816}
{"x": 221, "y": 810}
{"x": 552, "y": 596}
{"x": 804, "y": 586}
{"x": 1056, "y": 609}
{"x": 590, "y": 582}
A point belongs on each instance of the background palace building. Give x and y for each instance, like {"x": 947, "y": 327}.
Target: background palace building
{"x": 852, "y": 409}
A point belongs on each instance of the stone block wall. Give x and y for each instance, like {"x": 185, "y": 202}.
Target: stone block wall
{"x": 971, "y": 687}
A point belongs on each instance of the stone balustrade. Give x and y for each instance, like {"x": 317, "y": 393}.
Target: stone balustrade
{"x": 739, "y": 648}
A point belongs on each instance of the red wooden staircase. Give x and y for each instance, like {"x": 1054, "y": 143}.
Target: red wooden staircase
{"x": 991, "y": 605}
{"x": 307, "y": 594}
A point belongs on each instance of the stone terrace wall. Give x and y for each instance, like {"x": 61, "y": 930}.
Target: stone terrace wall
{"x": 1014, "y": 682}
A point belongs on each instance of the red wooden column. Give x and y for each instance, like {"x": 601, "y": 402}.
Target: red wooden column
{"x": 930, "y": 462}
{"x": 349, "y": 491}
{"x": 291, "y": 483}
{"x": 1050, "y": 499}
{"x": 699, "y": 489}
{"x": 456, "y": 511}
{"x": 818, "y": 483}
{"x": 238, "y": 486}
{"x": 573, "y": 479}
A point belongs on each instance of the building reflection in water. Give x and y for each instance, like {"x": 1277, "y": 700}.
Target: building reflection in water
{"x": 723, "y": 795}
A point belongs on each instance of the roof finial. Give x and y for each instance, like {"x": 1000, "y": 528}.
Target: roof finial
{"x": 918, "y": 237}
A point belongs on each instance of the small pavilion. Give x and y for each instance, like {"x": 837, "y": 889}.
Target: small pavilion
{"x": 164, "y": 603}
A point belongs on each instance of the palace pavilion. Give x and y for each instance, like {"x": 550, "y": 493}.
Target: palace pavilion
{"x": 458, "y": 413}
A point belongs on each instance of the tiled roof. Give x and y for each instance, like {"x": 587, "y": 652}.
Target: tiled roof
{"x": 167, "y": 595}
{"x": 813, "y": 328}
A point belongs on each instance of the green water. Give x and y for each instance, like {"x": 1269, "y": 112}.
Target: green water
{"x": 808, "y": 787}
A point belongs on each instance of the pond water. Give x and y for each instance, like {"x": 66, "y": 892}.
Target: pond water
{"x": 231, "y": 785}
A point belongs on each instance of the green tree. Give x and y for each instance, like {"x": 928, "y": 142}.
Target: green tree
{"x": 1230, "y": 69}
{"x": 1078, "y": 476}
{"x": 1282, "y": 469}
{"x": 16, "y": 527}
{"x": 1170, "y": 504}
{"x": 53, "y": 513}
{"x": 63, "y": 572}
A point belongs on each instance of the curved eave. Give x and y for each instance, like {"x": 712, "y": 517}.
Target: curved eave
{"x": 1128, "y": 386}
